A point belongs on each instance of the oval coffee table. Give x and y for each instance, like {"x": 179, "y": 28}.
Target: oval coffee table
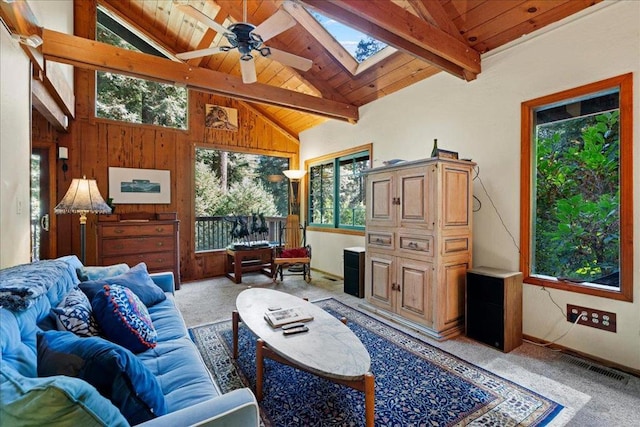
{"x": 329, "y": 349}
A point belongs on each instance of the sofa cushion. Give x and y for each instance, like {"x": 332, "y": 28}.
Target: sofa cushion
{"x": 137, "y": 279}
{"x": 74, "y": 314}
{"x": 124, "y": 319}
{"x": 113, "y": 370}
{"x": 53, "y": 401}
{"x": 98, "y": 272}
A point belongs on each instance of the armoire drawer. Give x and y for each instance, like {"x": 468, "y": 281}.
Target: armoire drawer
{"x": 137, "y": 245}
{"x": 380, "y": 239}
{"x": 419, "y": 245}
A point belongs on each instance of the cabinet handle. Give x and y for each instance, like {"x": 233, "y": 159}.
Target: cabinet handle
{"x": 398, "y": 287}
{"x": 379, "y": 240}
{"x": 159, "y": 243}
{"x": 393, "y": 286}
{"x": 118, "y": 231}
{"x": 159, "y": 229}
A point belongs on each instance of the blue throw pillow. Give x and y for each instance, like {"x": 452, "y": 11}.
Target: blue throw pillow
{"x": 113, "y": 370}
{"x": 136, "y": 278}
{"x": 100, "y": 272}
{"x": 74, "y": 314}
{"x": 124, "y": 319}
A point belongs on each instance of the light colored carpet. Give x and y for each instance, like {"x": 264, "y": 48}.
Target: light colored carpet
{"x": 590, "y": 398}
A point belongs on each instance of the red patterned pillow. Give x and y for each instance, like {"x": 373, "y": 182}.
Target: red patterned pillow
{"x": 294, "y": 253}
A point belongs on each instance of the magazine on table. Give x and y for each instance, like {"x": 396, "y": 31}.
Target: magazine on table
{"x": 283, "y": 316}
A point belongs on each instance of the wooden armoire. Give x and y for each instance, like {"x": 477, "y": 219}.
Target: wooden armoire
{"x": 418, "y": 243}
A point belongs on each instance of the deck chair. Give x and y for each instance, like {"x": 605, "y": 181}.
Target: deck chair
{"x": 292, "y": 252}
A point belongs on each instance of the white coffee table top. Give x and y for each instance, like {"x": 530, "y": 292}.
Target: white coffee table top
{"x": 329, "y": 349}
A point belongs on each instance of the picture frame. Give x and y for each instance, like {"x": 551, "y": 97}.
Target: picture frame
{"x": 446, "y": 154}
{"x": 221, "y": 118}
{"x": 139, "y": 186}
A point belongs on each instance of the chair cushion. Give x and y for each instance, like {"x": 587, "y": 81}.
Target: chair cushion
{"x": 98, "y": 272}
{"x": 113, "y": 370}
{"x": 137, "y": 279}
{"x": 74, "y": 314}
{"x": 124, "y": 319}
{"x": 294, "y": 253}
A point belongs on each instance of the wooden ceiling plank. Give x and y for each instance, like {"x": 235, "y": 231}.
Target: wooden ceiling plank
{"x": 90, "y": 54}
{"x": 525, "y": 11}
{"x": 457, "y": 8}
{"x": 530, "y": 25}
{"x": 262, "y": 111}
{"x": 483, "y": 13}
{"x": 408, "y": 33}
{"x": 207, "y": 38}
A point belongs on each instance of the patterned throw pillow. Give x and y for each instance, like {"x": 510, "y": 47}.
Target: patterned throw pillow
{"x": 124, "y": 319}
{"x": 74, "y": 314}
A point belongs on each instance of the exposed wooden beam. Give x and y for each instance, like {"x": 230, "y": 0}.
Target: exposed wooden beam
{"x": 90, "y": 54}
{"x": 21, "y": 20}
{"x": 47, "y": 106}
{"x": 399, "y": 28}
{"x": 433, "y": 13}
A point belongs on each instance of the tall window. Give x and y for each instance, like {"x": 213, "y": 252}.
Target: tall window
{"x": 129, "y": 99}
{"x": 336, "y": 190}
{"x": 577, "y": 189}
{"x": 229, "y": 184}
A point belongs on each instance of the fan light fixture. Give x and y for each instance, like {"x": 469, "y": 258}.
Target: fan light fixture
{"x": 248, "y": 38}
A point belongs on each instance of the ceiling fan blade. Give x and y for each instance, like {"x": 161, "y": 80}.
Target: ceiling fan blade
{"x": 248, "y": 70}
{"x": 290, "y": 59}
{"x": 274, "y": 25}
{"x": 199, "y": 53}
{"x": 195, "y": 13}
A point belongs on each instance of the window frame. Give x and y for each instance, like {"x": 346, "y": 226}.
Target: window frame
{"x": 334, "y": 158}
{"x": 624, "y": 83}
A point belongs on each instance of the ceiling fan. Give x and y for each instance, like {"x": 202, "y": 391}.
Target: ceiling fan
{"x": 248, "y": 39}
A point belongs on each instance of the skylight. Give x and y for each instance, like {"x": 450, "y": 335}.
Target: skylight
{"x": 359, "y": 45}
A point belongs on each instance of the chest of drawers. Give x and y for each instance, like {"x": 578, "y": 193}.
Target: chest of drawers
{"x": 152, "y": 240}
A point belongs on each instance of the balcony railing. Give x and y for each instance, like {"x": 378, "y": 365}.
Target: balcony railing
{"x": 214, "y": 232}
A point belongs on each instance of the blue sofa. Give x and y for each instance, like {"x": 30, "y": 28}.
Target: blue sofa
{"x": 190, "y": 393}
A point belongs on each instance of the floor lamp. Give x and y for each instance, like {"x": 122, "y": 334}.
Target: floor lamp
{"x": 82, "y": 197}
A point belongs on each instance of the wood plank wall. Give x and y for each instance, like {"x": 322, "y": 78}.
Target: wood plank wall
{"x": 97, "y": 144}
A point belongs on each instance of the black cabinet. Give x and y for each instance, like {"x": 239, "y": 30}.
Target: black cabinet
{"x": 494, "y": 307}
{"x": 354, "y": 271}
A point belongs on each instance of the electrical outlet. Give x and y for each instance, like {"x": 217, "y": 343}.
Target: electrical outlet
{"x": 600, "y": 319}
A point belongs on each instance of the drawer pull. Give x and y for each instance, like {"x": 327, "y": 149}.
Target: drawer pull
{"x": 118, "y": 246}
{"x": 159, "y": 229}
{"x": 118, "y": 231}
{"x": 160, "y": 244}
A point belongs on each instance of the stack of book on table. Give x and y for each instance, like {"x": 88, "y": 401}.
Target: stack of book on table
{"x": 277, "y": 318}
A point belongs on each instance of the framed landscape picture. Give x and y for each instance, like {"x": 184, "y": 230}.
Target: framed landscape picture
{"x": 138, "y": 186}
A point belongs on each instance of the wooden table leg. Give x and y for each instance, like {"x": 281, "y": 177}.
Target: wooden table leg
{"x": 369, "y": 398}
{"x": 237, "y": 271}
{"x": 235, "y": 320}
{"x": 259, "y": 368}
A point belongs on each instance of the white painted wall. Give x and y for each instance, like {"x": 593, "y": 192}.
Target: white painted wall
{"x": 15, "y": 152}
{"x": 481, "y": 120}
{"x": 15, "y": 131}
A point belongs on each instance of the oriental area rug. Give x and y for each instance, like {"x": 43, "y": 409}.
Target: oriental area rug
{"x": 416, "y": 384}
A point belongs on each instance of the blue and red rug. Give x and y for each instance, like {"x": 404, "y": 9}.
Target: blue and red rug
{"x": 416, "y": 384}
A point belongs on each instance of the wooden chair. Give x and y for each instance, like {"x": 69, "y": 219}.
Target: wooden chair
{"x": 292, "y": 250}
